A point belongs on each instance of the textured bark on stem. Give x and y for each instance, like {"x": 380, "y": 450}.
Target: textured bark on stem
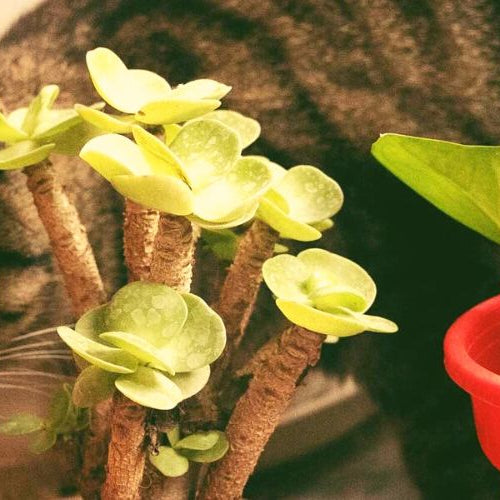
{"x": 68, "y": 238}
{"x": 259, "y": 411}
{"x": 140, "y": 226}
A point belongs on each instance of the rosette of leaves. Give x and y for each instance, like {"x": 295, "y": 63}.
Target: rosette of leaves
{"x": 325, "y": 293}
{"x": 201, "y": 175}
{"x": 63, "y": 420}
{"x": 32, "y": 133}
{"x": 144, "y": 96}
{"x": 150, "y": 342}
{"x": 201, "y": 447}
{"x": 301, "y": 202}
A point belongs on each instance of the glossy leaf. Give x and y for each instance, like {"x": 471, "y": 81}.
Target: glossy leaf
{"x": 152, "y": 311}
{"x": 10, "y": 132}
{"x": 201, "y": 89}
{"x": 207, "y": 150}
{"x": 150, "y": 388}
{"x": 22, "y": 154}
{"x": 43, "y": 441}
{"x": 169, "y": 462}
{"x": 190, "y": 383}
{"x": 92, "y": 386}
{"x": 107, "y": 122}
{"x": 24, "y": 423}
{"x": 212, "y": 454}
{"x": 460, "y": 180}
{"x": 201, "y": 340}
{"x": 125, "y": 89}
{"x": 248, "y": 129}
{"x": 198, "y": 441}
{"x": 109, "y": 359}
{"x": 172, "y": 110}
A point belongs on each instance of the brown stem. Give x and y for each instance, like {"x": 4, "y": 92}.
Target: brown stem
{"x": 68, "y": 238}
{"x": 140, "y": 225}
{"x": 259, "y": 411}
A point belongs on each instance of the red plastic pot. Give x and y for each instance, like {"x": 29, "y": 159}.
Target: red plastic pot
{"x": 472, "y": 360}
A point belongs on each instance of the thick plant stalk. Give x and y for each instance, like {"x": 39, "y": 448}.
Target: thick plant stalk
{"x": 68, "y": 238}
{"x": 259, "y": 411}
{"x": 140, "y": 225}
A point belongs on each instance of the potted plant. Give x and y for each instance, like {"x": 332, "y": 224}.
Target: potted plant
{"x": 462, "y": 181}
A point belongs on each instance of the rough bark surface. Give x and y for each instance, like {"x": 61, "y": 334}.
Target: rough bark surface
{"x": 126, "y": 455}
{"x": 68, "y": 238}
{"x": 259, "y": 411}
{"x": 140, "y": 224}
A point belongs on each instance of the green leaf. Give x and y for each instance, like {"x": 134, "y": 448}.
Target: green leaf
{"x": 152, "y": 311}
{"x": 22, "y": 154}
{"x": 201, "y": 89}
{"x": 171, "y": 110}
{"x": 62, "y": 414}
{"x": 38, "y": 106}
{"x": 371, "y": 323}
{"x": 279, "y": 248}
{"x": 201, "y": 340}
{"x": 272, "y": 215}
{"x": 54, "y": 122}
{"x": 92, "y": 323}
{"x": 71, "y": 141}
{"x": 240, "y": 218}
{"x": 212, "y": 454}
{"x": 43, "y": 441}
{"x": 207, "y": 150}
{"x": 323, "y": 225}
{"x": 140, "y": 348}
{"x": 312, "y": 196}
{"x": 223, "y": 243}
{"x": 24, "y": 423}
{"x": 92, "y": 386}
{"x": 248, "y": 129}
{"x": 460, "y": 180}
{"x": 169, "y": 462}
{"x": 107, "y": 122}
{"x": 124, "y": 89}
{"x": 337, "y": 297}
{"x": 113, "y": 154}
{"x": 173, "y": 435}
{"x": 245, "y": 182}
{"x": 109, "y": 359}
{"x": 150, "y": 388}
{"x": 198, "y": 441}
{"x": 9, "y": 132}
{"x": 190, "y": 383}
{"x": 171, "y": 132}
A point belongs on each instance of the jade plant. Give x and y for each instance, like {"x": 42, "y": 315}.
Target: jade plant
{"x": 153, "y": 360}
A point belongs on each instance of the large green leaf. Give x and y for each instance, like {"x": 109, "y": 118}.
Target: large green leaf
{"x": 460, "y": 180}
{"x": 150, "y": 388}
{"x": 169, "y": 462}
{"x": 24, "y": 423}
{"x": 125, "y": 89}
{"x": 23, "y": 154}
{"x": 92, "y": 386}
{"x": 172, "y": 110}
{"x": 248, "y": 129}
{"x": 110, "y": 359}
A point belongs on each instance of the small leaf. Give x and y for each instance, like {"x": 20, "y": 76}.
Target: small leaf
{"x": 339, "y": 297}
{"x": 240, "y": 218}
{"x": 279, "y": 248}
{"x": 107, "y": 122}
{"x": 191, "y": 383}
{"x": 198, "y": 441}
{"x": 92, "y": 323}
{"x": 160, "y": 192}
{"x": 371, "y": 323}
{"x": 171, "y": 132}
{"x": 62, "y": 416}
{"x": 110, "y": 359}
{"x": 169, "y": 462}
{"x": 207, "y": 150}
{"x": 71, "y": 141}
{"x": 150, "y": 388}
{"x": 40, "y": 104}
{"x": 43, "y": 441}
{"x": 248, "y": 130}
{"x": 23, "y": 423}
{"x": 54, "y": 122}
{"x": 172, "y": 110}
{"x": 126, "y": 90}
{"x": 22, "y": 154}
{"x": 200, "y": 89}
{"x": 223, "y": 243}
{"x": 92, "y": 386}
{"x": 460, "y": 180}
{"x": 173, "y": 435}
{"x": 9, "y": 132}
{"x": 211, "y": 455}
{"x": 323, "y": 225}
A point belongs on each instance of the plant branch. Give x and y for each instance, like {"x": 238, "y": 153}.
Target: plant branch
{"x": 259, "y": 411}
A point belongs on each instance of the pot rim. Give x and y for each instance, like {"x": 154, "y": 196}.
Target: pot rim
{"x": 474, "y": 378}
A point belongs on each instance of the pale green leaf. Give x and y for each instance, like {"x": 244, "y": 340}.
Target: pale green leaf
{"x": 62, "y": 414}
{"x": 201, "y": 89}
{"x": 201, "y": 340}
{"x": 207, "y": 150}
{"x": 311, "y": 195}
{"x": 173, "y": 434}
{"x": 92, "y": 386}
{"x": 124, "y": 89}
{"x": 150, "y": 388}
{"x": 22, "y": 154}
{"x": 198, "y": 441}
{"x": 240, "y": 217}
{"x": 171, "y": 110}
{"x": 92, "y": 323}
{"x": 140, "y": 348}
{"x": 113, "y": 154}
{"x": 279, "y": 248}
{"x": 190, "y": 383}
{"x": 43, "y": 441}
{"x": 107, "y": 122}
{"x": 370, "y": 323}
{"x": 160, "y": 192}
{"x": 152, "y": 311}
{"x": 54, "y": 122}
{"x": 334, "y": 297}
{"x": 71, "y": 141}
{"x": 40, "y": 104}
{"x": 171, "y": 132}
{"x": 109, "y": 359}
{"x": 323, "y": 225}
{"x": 212, "y": 454}
{"x": 10, "y": 132}
{"x": 16, "y": 118}
{"x": 169, "y": 462}
{"x": 460, "y": 180}
{"x": 23, "y": 423}
{"x": 248, "y": 129}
